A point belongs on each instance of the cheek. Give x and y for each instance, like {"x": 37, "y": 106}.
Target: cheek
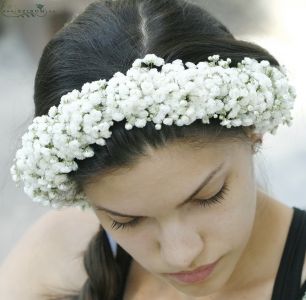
{"x": 226, "y": 231}
{"x": 124, "y": 237}
{"x": 140, "y": 244}
{"x": 228, "y": 225}
{"x": 236, "y": 223}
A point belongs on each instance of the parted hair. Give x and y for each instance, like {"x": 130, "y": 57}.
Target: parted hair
{"x": 102, "y": 40}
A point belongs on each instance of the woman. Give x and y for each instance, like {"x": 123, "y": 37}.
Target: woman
{"x": 180, "y": 202}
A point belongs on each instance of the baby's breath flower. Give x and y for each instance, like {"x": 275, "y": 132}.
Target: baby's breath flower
{"x": 253, "y": 93}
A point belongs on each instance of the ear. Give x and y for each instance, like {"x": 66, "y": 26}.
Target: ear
{"x": 255, "y": 138}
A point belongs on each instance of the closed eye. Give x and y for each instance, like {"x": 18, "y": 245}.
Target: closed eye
{"x": 216, "y": 199}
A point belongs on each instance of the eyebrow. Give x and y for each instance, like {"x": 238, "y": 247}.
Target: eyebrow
{"x": 201, "y": 186}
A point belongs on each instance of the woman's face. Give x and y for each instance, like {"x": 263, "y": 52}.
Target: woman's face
{"x": 167, "y": 233}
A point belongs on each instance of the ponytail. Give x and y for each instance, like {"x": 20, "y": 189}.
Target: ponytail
{"x": 103, "y": 271}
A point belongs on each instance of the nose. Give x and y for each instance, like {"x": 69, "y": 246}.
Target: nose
{"x": 180, "y": 246}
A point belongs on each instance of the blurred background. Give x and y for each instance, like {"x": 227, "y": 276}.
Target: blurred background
{"x": 277, "y": 25}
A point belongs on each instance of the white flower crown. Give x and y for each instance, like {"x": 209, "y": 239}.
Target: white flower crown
{"x": 253, "y": 93}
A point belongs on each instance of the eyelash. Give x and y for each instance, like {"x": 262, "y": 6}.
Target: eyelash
{"x": 217, "y": 199}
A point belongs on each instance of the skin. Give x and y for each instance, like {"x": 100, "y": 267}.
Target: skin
{"x": 171, "y": 239}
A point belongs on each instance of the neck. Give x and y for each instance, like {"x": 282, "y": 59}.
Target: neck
{"x": 261, "y": 257}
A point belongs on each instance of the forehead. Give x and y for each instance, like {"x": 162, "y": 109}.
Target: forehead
{"x": 172, "y": 169}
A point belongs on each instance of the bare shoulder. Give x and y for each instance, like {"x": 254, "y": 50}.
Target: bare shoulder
{"x": 49, "y": 255}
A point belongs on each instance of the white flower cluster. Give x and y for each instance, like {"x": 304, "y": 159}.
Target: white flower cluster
{"x": 253, "y": 93}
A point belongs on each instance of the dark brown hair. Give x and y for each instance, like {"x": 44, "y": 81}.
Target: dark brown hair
{"x": 106, "y": 38}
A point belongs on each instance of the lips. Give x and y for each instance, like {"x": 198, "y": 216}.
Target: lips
{"x": 197, "y": 275}
{"x": 199, "y": 269}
